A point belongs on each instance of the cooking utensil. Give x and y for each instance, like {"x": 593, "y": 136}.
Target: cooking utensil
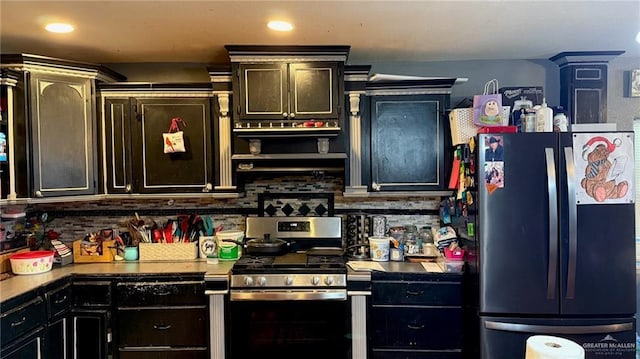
{"x": 266, "y": 246}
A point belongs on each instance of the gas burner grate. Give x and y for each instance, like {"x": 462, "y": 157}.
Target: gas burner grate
{"x": 254, "y": 262}
{"x": 330, "y": 261}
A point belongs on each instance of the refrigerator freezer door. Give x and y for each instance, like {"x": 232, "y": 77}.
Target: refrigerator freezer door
{"x": 506, "y": 337}
{"x": 517, "y": 239}
{"x": 597, "y": 250}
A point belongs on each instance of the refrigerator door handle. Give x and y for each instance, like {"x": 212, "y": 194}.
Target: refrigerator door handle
{"x": 558, "y": 329}
{"x": 552, "y": 192}
{"x": 573, "y": 223}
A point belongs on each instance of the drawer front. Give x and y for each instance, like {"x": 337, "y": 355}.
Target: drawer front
{"x": 416, "y": 328}
{"x": 58, "y": 301}
{"x": 407, "y": 354}
{"x": 22, "y": 319}
{"x": 163, "y": 326}
{"x": 417, "y": 293}
{"x": 91, "y": 294}
{"x": 144, "y": 294}
{"x": 164, "y": 353}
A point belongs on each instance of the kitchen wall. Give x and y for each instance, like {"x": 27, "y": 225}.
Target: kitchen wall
{"x": 621, "y": 110}
{"x": 76, "y": 219}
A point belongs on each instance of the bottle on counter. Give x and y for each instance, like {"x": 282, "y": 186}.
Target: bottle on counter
{"x": 544, "y": 118}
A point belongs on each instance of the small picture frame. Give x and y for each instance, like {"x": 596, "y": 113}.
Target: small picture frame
{"x": 633, "y": 83}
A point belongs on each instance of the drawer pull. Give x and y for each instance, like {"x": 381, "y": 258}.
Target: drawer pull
{"x": 19, "y": 322}
{"x": 415, "y": 327}
{"x": 161, "y": 326}
{"x": 164, "y": 293}
{"x": 61, "y": 300}
{"x": 410, "y": 292}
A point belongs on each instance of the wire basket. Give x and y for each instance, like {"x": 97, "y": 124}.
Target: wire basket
{"x": 462, "y": 126}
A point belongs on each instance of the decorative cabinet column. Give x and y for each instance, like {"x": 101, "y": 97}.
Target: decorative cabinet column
{"x": 221, "y": 80}
{"x": 355, "y": 79}
{"x": 8, "y": 180}
{"x": 583, "y": 84}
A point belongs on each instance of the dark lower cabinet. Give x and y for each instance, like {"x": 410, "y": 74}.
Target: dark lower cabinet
{"x": 162, "y": 354}
{"x": 57, "y": 339}
{"x": 162, "y": 318}
{"x": 22, "y": 322}
{"x": 28, "y": 347}
{"x": 416, "y": 315}
{"x": 91, "y": 334}
{"x": 91, "y": 319}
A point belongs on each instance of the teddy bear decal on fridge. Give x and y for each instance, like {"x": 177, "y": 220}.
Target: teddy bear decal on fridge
{"x": 604, "y": 168}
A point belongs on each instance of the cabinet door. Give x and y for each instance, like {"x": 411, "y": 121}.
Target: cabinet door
{"x": 56, "y": 341}
{"x": 313, "y": 90}
{"x": 91, "y": 335}
{"x": 29, "y": 348}
{"x": 62, "y": 116}
{"x": 407, "y": 143}
{"x": 117, "y": 128}
{"x": 156, "y": 171}
{"x": 584, "y": 92}
{"x": 263, "y": 91}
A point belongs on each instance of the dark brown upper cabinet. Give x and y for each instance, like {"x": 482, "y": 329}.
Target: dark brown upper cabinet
{"x": 281, "y": 91}
{"x": 135, "y": 117}
{"x": 54, "y": 121}
{"x": 583, "y": 84}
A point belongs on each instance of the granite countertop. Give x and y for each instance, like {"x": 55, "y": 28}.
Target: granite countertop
{"x": 20, "y": 284}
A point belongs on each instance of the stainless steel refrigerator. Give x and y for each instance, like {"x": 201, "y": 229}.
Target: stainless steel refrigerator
{"x": 556, "y": 243}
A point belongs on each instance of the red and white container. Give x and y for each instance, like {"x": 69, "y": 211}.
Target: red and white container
{"x": 33, "y": 262}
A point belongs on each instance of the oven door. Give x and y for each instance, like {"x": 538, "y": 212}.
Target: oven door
{"x": 289, "y": 328}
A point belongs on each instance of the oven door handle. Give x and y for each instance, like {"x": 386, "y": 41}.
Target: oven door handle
{"x": 269, "y": 295}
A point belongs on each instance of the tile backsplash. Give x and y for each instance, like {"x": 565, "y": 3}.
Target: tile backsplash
{"x": 75, "y": 219}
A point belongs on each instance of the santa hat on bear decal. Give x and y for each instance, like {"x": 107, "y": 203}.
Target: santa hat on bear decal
{"x": 599, "y": 140}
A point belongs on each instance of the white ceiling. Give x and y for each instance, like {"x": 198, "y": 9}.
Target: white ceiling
{"x": 377, "y": 31}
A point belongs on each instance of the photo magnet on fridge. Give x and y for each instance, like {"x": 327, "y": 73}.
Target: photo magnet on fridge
{"x": 604, "y": 167}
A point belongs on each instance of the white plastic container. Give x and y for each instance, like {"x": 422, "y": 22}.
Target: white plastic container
{"x": 544, "y": 118}
{"x": 379, "y": 248}
{"x": 34, "y": 262}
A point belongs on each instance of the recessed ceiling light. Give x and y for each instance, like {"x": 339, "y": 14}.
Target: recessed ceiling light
{"x": 59, "y": 28}
{"x": 280, "y": 25}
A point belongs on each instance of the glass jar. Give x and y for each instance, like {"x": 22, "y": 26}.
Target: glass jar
{"x": 426, "y": 234}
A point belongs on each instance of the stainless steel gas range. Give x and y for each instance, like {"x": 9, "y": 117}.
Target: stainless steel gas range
{"x": 292, "y": 304}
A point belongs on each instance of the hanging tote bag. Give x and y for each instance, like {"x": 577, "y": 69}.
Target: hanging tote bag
{"x": 487, "y": 108}
{"x": 174, "y": 139}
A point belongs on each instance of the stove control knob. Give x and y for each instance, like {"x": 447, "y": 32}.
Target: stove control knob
{"x": 262, "y": 281}
{"x": 248, "y": 281}
{"x": 328, "y": 280}
{"x": 315, "y": 280}
{"x": 288, "y": 280}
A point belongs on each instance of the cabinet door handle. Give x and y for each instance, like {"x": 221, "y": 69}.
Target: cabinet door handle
{"x": 415, "y": 327}
{"x": 161, "y": 326}
{"x": 410, "y": 292}
{"x": 61, "y": 300}
{"x": 19, "y": 322}
{"x": 292, "y": 115}
{"x": 284, "y": 114}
